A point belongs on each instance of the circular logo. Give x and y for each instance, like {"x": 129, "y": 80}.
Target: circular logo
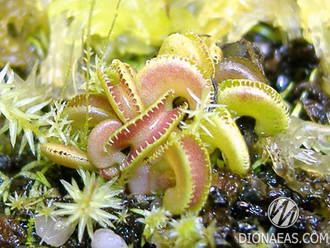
{"x": 283, "y": 212}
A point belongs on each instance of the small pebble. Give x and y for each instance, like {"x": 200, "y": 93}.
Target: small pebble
{"x": 104, "y": 238}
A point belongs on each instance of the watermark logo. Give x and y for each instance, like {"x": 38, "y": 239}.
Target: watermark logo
{"x": 283, "y": 212}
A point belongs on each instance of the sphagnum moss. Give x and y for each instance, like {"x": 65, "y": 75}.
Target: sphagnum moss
{"x": 88, "y": 204}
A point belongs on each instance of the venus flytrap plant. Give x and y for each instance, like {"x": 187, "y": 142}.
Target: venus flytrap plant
{"x": 141, "y": 140}
{"x": 218, "y": 129}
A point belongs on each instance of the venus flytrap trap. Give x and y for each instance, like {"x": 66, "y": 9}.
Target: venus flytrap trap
{"x": 192, "y": 46}
{"x": 98, "y": 110}
{"x": 255, "y": 99}
{"x": 191, "y": 171}
{"x": 220, "y": 131}
{"x": 65, "y": 155}
{"x": 170, "y": 72}
{"x": 120, "y": 89}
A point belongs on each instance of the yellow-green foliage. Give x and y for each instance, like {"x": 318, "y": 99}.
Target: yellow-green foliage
{"x": 23, "y": 23}
{"x": 21, "y": 103}
{"x": 138, "y": 30}
{"x": 61, "y": 28}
